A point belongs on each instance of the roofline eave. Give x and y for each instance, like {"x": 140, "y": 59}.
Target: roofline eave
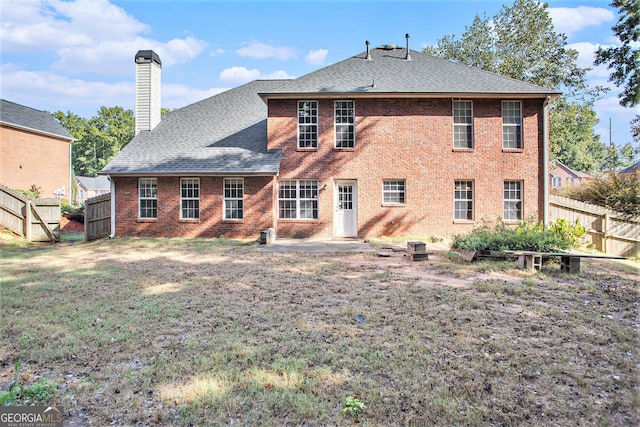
{"x": 37, "y": 131}
{"x": 465, "y": 95}
{"x": 186, "y": 174}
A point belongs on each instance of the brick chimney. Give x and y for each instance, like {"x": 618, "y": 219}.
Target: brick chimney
{"x": 148, "y": 68}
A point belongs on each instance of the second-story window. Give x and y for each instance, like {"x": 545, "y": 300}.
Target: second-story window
{"x": 345, "y": 124}
{"x": 511, "y": 124}
{"x": 462, "y": 124}
{"x": 307, "y": 124}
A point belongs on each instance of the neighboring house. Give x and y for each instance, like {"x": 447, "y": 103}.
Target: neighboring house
{"x": 89, "y": 187}
{"x": 35, "y": 149}
{"x": 382, "y": 143}
{"x": 561, "y": 175}
{"x": 634, "y": 168}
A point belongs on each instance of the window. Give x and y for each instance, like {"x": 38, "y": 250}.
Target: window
{"x": 463, "y": 200}
{"x": 462, "y": 124}
{"x": 148, "y": 197}
{"x": 511, "y": 124}
{"x": 298, "y": 199}
{"x": 307, "y": 124}
{"x": 393, "y": 191}
{"x": 190, "y": 198}
{"x": 512, "y": 200}
{"x": 556, "y": 181}
{"x": 233, "y": 198}
{"x": 345, "y": 124}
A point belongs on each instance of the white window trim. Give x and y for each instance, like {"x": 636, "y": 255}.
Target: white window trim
{"x": 226, "y": 199}
{"x": 403, "y": 191}
{"x": 308, "y": 124}
{"x": 520, "y": 201}
{"x": 140, "y": 197}
{"x": 335, "y": 125}
{"x": 473, "y": 194}
{"x": 512, "y": 125}
{"x": 467, "y": 125}
{"x": 299, "y": 199}
{"x": 197, "y": 180}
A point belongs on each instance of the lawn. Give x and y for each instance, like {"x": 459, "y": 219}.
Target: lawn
{"x": 213, "y": 332}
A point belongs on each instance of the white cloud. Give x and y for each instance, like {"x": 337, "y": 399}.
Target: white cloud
{"x": 316, "y": 57}
{"x": 570, "y": 20}
{"x": 45, "y": 90}
{"x": 86, "y": 36}
{"x": 262, "y": 50}
{"x": 216, "y": 52}
{"x": 277, "y": 75}
{"x": 178, "y": 95}
{"x": 243, "y": 75}
{"x": 238, "y": 74}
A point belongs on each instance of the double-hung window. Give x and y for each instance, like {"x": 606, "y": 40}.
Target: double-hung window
{"x": 190, "y": 198}
{"x": 462, "y": 124}
{"x": 148, "y": 198}
{"x": 233, "y": 198}
{"x": 511, "y": 124}
{"x": 344, "y": 115}
{"x": 463, "y": 200}
{"x": 298, "y": 199}
{"x": 307, "y": 124}
{"x": 393, "y": 192}
{"x": 512, "y": 200}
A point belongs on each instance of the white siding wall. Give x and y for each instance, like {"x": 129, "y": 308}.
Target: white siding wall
{"x": 147, "y": 95}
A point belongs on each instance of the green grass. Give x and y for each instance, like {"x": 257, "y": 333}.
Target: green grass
{"x": 212, "y": 332}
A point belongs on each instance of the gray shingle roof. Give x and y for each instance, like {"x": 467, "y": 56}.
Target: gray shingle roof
{"x": 98, "y": 183}
{"x": 223, "y": 134}
{"x": 227, "y": 133}
{"x": 13, "y": 114}
{"x": 388, "y": 72}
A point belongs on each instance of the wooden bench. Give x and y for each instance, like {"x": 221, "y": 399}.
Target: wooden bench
{"x": 569, "y": 263}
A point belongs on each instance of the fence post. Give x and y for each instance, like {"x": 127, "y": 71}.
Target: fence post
{"x": 605, "y": 232}
{"x": 27, "y": 220}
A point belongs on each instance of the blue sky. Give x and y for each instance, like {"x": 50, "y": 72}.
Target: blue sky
{"x": 78, "y": 55}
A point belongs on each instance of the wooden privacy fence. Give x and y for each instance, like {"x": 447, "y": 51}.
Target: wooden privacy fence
{"x": 609, "y": 231}
{"x": 97, "y": 217}
{"x": 37, "y": 220}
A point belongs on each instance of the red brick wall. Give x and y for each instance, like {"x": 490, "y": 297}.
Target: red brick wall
{"x": 258, "y": 210}
{"x": 410, "y": 139}
{"x": 28, "y": 159}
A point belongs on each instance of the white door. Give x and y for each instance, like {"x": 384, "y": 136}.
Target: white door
{"x": 345, "y": 209}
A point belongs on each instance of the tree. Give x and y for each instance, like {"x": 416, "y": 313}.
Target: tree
{"x": 98, "y": 139}
{"x": 625, "y": 59}
{"x": 573, "y": 140}
{"x": 520, "y": 42}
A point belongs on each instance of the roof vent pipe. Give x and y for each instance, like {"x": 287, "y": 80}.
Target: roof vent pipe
{"x": 368, "y": 54}
{"x": 408, "y": 57}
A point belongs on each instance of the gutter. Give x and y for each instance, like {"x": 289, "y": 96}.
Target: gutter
{"x": 113, "y": 207}
{"x": 545, "y": 162}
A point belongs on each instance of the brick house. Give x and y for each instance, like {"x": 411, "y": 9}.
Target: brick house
{"x": 35, "y": 149}
{"x": 562, "y": 175}
{"x": 89, "y": 187}
{"x": 388, "y": 142}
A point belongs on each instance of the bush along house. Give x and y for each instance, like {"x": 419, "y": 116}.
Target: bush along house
{"x": 388, "y": 142}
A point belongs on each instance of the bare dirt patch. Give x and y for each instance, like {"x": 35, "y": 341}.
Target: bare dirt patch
{"x": 204, "y": 332}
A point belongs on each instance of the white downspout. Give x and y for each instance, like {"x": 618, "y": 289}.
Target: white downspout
{"x": 113, "y": 208}
{"x": 545, "y": 161}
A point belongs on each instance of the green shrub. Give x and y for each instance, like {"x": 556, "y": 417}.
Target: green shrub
{"x": 524, "y": 236}
{"x": 72, "y": 212}
{"x": 32, "y": 193}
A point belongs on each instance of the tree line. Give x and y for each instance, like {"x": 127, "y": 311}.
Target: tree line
{"x": 519, "y": 42}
